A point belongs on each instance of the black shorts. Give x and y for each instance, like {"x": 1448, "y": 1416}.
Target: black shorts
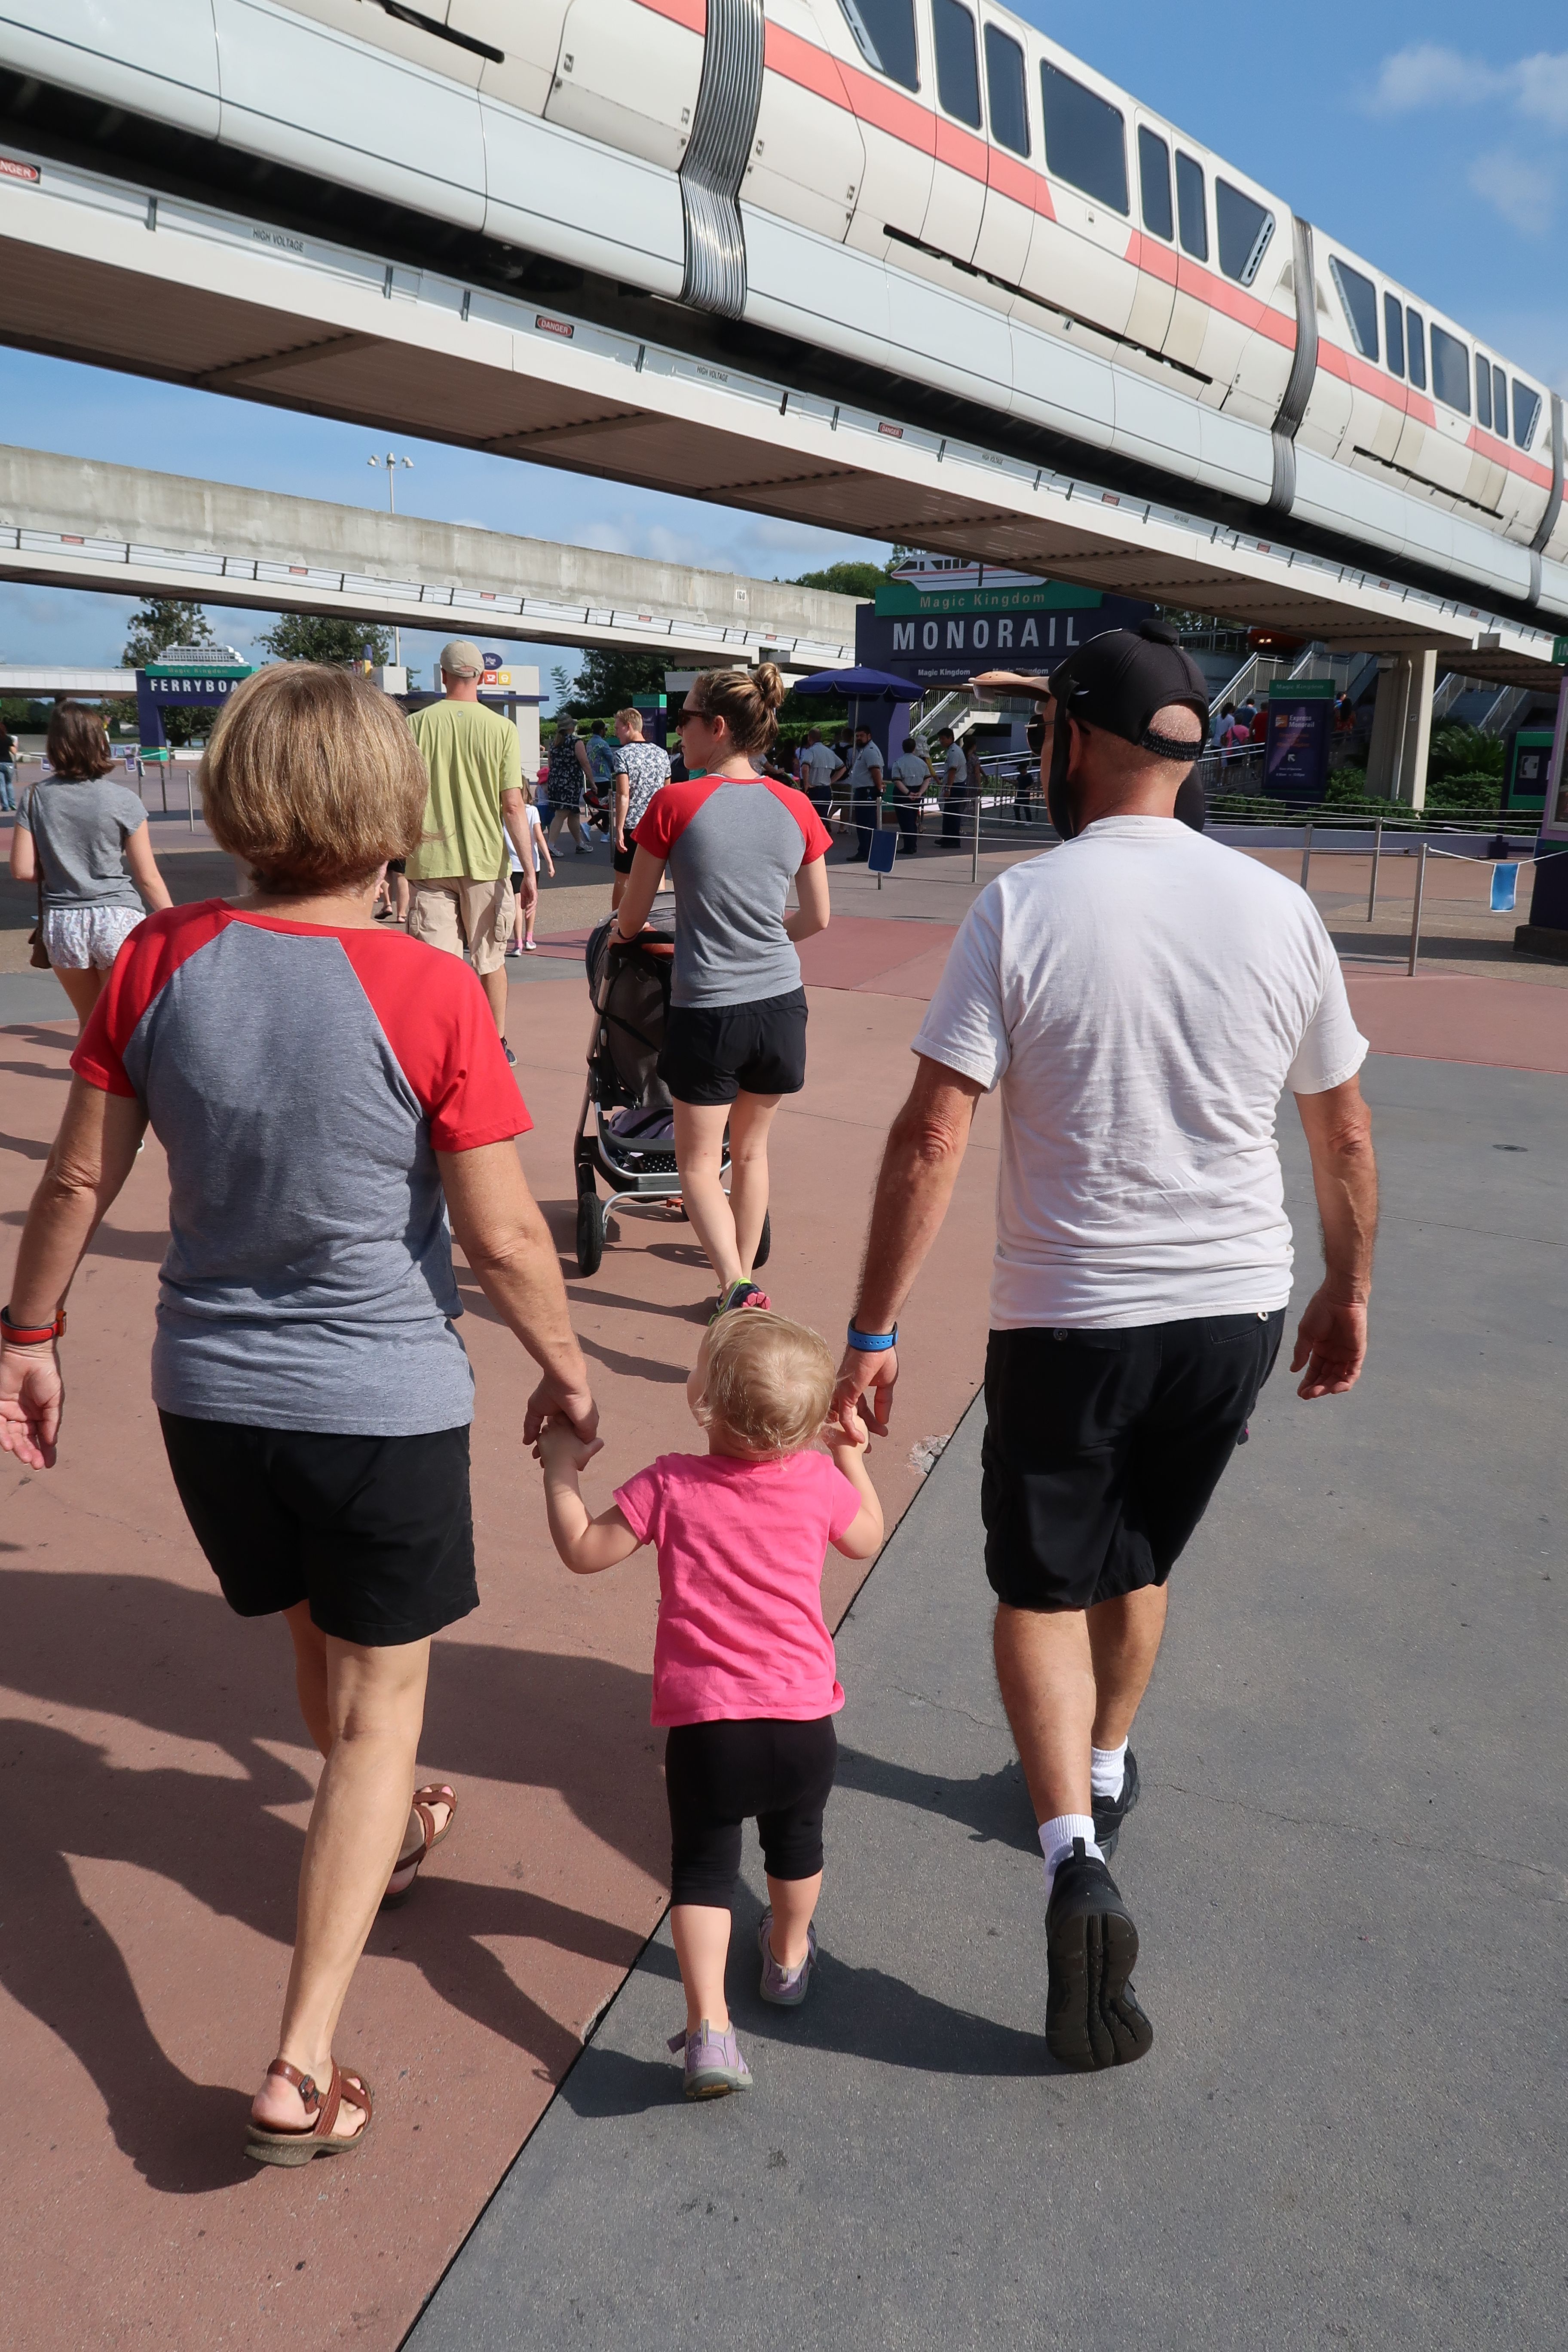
{"x": 621, "y": 859}
{"x": 718, "y": 1775}
{"x": 375, "y": 1532}
{"x": 711, "y": 1052}
{"x": 1102, "y": 1449}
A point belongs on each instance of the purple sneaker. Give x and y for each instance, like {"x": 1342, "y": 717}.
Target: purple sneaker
{"x": 714, "y": 2067}
{"x": 786, "y": 1987}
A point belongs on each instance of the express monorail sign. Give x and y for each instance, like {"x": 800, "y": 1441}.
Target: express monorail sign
{"x": 935, "y": 634}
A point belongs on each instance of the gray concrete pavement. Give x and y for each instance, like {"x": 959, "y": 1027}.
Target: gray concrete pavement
{"x": 1347, "y": 1867}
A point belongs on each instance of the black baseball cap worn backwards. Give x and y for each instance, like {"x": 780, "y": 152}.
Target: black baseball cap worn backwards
{"x": 1119, "y": 681}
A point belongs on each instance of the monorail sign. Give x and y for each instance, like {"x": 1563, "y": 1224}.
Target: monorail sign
{"x": 937, "y": 626}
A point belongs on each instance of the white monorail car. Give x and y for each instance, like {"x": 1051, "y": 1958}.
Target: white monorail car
{"x": 929, "y": 191}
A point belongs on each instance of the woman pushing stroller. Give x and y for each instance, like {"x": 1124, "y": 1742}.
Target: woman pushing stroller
{"x": 735, "y": 1045}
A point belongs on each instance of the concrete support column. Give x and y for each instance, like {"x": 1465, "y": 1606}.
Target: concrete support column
{"x": 1402, "y": 727}
{"x": 1417, "y": 743}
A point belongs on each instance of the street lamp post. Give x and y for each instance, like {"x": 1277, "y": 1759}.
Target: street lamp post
{"x": 392, "y": 462}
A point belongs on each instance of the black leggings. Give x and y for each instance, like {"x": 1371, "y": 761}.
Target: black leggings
{"x": 718, "y": 1775}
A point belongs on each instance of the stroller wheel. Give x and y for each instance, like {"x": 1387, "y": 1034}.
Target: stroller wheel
{"x": 591, "y": 1222}
{"x": 765, "y": 1245}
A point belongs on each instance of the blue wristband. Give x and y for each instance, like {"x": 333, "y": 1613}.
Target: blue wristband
{"x": 873, "y": 1343}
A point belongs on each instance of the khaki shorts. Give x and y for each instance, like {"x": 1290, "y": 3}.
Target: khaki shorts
{"x": 459, "y": 915}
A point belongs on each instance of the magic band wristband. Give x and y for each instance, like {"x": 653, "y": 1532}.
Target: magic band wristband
{"x": 31, "y": 1335}
{"x": 873, "y": 1343}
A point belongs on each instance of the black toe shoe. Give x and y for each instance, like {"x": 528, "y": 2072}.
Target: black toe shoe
{"x": 1109, "y": 1812}
{"x": 1092, "y": 2017}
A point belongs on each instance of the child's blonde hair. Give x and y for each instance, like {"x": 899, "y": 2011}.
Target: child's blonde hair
{"x": 769, "y": 1383}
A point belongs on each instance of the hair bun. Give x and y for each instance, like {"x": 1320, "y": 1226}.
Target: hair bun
{"x": 768, "y": 679}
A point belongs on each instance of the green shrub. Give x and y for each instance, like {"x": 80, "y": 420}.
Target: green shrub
{"x": 1478, "y": 792}
{"x": 1464, "y": 752}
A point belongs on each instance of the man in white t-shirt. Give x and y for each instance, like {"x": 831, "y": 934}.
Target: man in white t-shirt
{"x": 865, "y": 794}
{"x": 818, "y": 771}
{"x": 1142, "y": 996}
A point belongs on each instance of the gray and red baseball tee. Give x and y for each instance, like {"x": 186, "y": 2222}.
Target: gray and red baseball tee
{"x": 732, "y": 847}
{"x": 302, "y": 1080}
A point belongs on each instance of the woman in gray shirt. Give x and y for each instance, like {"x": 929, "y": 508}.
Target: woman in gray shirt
{"x": 75, "y": 835}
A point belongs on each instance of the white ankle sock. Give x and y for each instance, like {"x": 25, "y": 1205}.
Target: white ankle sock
{"x": 1055, "y": 1842}
{"x": 1108, "y": 1770}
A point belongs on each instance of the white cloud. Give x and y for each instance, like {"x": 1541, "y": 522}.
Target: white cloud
{"x": 1426, "y": 74}
{"x": 1520, "y": 191}
{"x": 1543, "y": 83}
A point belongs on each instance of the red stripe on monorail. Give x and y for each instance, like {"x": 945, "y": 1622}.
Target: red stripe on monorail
{"x": 692, "y": 14}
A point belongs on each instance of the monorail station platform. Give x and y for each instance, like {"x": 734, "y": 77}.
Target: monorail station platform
{"x": 1348, "y": 1866}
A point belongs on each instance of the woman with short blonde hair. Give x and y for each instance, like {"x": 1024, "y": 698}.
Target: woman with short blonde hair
{"x": 74, "y": 837}
{"x": 325, "y": 1091}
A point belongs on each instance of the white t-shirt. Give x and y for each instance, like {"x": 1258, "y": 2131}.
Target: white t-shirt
{"x": 535, "y": 836}
{"x": 817, "y": 766}
{"x": 1142, "y": 995}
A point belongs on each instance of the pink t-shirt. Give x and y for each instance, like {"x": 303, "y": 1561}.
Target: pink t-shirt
{"x": 741, "y": 1547}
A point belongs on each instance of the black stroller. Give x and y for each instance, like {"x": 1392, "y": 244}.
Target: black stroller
{"x": 625, "y": 1130}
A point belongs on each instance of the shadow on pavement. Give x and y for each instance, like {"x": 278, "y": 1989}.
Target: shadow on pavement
{"x": 177, "y": 1661}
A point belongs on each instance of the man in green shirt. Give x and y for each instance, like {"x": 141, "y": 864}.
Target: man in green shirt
{"x": 460, "y": 896}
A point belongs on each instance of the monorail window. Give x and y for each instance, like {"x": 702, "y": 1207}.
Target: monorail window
{"x": 1394, "y": 333}
{"x": 1154, "y": 183}
{"x": 1085, "y": 144}
{"x": 1526, "y": 409}
{"x": 1483, "y": 392}
{"x": 1499, "y": 402}
{"x": 1245, "y": 229}
{"x": 1359, "y": 296}
{"x": 1450, "y": 370}
{"x": 1415, "y": 328}
{"x": 1191, "y": 213}
{"x": 957, "y": 64}
{"x": 1004, "y": 82}
{"x": 884, "y": 32}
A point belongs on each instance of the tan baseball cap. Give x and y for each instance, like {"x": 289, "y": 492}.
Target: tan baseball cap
{"x": 462, "y": 658}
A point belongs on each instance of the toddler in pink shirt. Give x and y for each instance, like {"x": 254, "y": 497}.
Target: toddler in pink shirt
{"x": 743, "y": 1673}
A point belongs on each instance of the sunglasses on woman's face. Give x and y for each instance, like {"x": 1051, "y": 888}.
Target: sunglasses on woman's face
{"x": 685, "y": 715}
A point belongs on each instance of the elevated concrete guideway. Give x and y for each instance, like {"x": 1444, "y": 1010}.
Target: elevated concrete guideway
{"x": 101, "y": 269}
{"x": 69, "y": 522}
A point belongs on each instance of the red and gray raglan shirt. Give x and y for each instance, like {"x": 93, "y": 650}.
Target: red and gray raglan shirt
{"x": 732, "y": 847}
{"x": 302, "y": 1081}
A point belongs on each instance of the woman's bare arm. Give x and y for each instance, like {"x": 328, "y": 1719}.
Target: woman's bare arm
{"x": 812, "y": 914}
{"x": 24, "y": 858}
{"x": 144, "y": 870}
{"x": 642, "y": 889}
{"x": 88, "y": 1162}
{"x": 507, "y": 1243}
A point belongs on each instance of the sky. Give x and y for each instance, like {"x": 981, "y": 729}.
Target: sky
{"x": 1432, "y": 138}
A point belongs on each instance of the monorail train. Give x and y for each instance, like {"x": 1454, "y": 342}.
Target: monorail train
{"x": 927, "y": 194}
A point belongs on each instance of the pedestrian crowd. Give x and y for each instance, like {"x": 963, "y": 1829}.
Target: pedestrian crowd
{"x": 337, "y": 1103}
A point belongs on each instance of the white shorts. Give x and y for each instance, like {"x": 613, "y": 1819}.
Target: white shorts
{"x": 80, "y": 939}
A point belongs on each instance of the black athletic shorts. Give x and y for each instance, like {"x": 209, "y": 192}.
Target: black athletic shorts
{"x": 713, "y": 1052}
{"x": 621, "y": 859}
{"x": 1102, "y": 1449}
{"x": 718, "y": 1775}
{"x": 375, "y": 1532}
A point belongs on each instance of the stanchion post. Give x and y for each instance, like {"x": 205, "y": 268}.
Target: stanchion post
{"x": 190, "y": 800}
{"x": 1415, "y": 910}
{"x": 1306, "y": 853}
{"x": 1377, "y": 855}
{"x": 974, "y": 845}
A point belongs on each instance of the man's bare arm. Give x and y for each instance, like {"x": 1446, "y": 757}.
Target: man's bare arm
{"x": 1331, "y": 1344}
{"x": 921, "y": 1162}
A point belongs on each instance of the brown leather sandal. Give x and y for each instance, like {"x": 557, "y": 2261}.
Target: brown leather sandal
{"x": 434, "y": 1792}
{"x": 266, "y": 2144}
